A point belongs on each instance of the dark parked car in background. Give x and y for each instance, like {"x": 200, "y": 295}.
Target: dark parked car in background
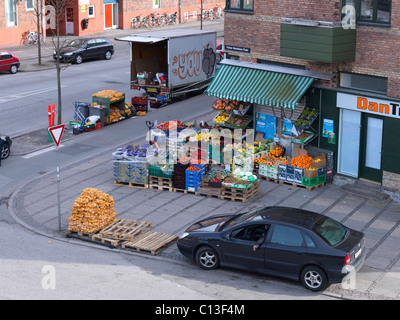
{"x": 8, "y": 61}
{"x": 81, "y": 49}
{"x": 293, "y": 243}
{"x": 5, "y": 146}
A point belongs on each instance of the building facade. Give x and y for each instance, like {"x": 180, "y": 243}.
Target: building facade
{"x": 355, "y": 44}
{"x": 83, "y": 17}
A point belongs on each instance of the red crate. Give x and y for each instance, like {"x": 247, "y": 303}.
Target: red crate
{"x": 139, "y": 100}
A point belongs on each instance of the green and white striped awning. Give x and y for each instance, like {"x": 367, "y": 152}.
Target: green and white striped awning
{"x": 259, "y": 86}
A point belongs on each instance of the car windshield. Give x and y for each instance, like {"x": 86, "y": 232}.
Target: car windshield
{"x": 330, "y": 230}
{"x": 242, "y": 217}
{"x": 76, "y": 43}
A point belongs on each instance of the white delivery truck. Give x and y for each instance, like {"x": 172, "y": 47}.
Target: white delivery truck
{"x": 171, "y": 64}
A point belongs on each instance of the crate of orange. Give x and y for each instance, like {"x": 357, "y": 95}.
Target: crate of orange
{"x": 276, "y": 152}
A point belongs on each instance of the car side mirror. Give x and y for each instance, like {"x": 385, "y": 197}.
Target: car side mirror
{"x": 227, "y": 236}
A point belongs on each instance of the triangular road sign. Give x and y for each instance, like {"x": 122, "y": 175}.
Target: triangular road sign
{"x": 56, "y": 133}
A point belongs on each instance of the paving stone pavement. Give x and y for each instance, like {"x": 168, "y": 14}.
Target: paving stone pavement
{"x": 35, "y": 206}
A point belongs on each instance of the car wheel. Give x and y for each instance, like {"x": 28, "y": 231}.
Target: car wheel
{"x": 313, "y": 278}
{"x": 13, "y": 69}
{"x": 5, "y": 151}
{"x": 207, "y": 258}
{"x": 108, "y": 55}
{"x": 78, "y": 59}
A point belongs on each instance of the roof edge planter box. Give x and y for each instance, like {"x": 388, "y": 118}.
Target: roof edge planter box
{"x": 318, "y": 41}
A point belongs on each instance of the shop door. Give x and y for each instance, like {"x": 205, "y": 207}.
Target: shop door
{"x": 110, "y": 15}
{"x": 69, "y": 21}
{"x": 349, "y": 142}
{"x": 371, "y": 148}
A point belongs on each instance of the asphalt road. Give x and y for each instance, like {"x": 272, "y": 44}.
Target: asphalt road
{"x": 35, "y": 267}
{"x": 25, "y": 96}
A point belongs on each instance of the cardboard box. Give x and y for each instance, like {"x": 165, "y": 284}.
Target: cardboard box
{"x": 143, "y": 81}
{"x": 297, "y": 151}
{"x": 289, "y": 173}
{"x": 310, "y": 173}
{"x": 319, "y": 162}
{"x": 282, "y": 172}
{"x": 298, "y": 175}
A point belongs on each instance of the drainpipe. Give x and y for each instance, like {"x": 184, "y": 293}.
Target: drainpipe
{"x": 179, "y": 9}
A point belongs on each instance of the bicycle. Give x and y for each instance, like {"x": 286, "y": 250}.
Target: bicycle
{"x": 31, "y": 37}
{"x": 218, "y": 12}
{"x": 136, "y": 22}
{"x": 145, "y": 22}
{"x": 173, "y": 18}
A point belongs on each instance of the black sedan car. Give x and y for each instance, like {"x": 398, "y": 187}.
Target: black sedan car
{"x": 86, "y": 48}
{"x": 278, "y": 241}
{"x": 5, "y": 146}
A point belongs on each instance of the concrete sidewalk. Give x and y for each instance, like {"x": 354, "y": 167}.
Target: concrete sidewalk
{"x": 35, "y": 206}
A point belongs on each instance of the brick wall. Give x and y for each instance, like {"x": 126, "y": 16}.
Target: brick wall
{"x": 133, "y": 8}
{"x": 377, "y": 48}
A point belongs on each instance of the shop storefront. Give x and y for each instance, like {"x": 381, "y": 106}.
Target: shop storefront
{"x": 280, "y": 110}
{"x": 368, "y": 147}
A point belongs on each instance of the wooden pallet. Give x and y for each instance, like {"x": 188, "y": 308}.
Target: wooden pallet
{"x": 209, "y": 193}
{"x": 124, "y": 229}
{"x": 105, "y": 240}
{"x": 243, "y": 195}
{"x": 182, "y": 190}
{"x": 300, "y": 186}
{"x": 151, "y": 242}
{"x": 160, "y": 183}
{"x": 131, "y": 184}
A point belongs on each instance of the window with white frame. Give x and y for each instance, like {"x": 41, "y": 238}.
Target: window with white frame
{"x": 91, "y": 11}
{"x": 11, "y": 13}
{"x": 30, "y": 5}
{"x": 156, "y": 4}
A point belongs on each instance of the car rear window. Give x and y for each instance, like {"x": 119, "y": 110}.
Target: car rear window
{"x": 330, "y": 230}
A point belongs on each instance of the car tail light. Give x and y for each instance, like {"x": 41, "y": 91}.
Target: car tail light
{"x": 347, "y": 260}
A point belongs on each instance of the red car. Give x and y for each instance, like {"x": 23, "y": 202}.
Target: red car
{"x": 8, "y": 62}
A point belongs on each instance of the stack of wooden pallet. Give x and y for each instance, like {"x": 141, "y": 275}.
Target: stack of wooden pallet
{"x": 130, "y": 234}
{"x": 236, "y": 194}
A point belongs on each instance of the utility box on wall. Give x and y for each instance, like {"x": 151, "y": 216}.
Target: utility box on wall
{"x": 318, "y": 41}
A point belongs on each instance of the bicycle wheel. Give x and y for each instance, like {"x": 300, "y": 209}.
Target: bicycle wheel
{"x": 163, "y": 21}
{"x": 152, "y": 22}
{"x": 28, "y": 41}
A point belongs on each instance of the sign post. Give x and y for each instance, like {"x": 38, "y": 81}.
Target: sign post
{"x": 56, "y": 132}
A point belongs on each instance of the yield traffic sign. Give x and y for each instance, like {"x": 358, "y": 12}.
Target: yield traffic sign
{"x": 56, "y": 133}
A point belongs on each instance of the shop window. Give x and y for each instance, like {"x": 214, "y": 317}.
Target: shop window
{"x": 244, "y": 6}
{"x": 91, "y": 11}
{"x": 30, "y": 5}
{"x": 363, "y": 82}
{"x": 370, "y": 11}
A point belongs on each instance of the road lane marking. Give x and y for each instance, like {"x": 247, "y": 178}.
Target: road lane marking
{"x": 36, "y": 153}
{"x": 21, "y": 95}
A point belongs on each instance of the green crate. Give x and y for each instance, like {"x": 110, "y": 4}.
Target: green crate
{"x": 158, "y": 172}
{"x": 322, "y": 179}
{"x": 309, "y": 182}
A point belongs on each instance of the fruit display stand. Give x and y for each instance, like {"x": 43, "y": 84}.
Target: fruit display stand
{"x": 113, "y": 103}
{"x": 301, "y": 171}
{"x": 232, "y": 113}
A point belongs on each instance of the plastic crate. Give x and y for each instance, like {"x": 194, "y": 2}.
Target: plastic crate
{"x": 322, "y": 179}
{"x": 158, "y": 172}
{"x": 139, "y": 100}
{"x": 309, "y": 182}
